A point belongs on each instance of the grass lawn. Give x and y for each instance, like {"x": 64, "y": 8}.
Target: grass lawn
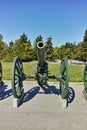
{"x": 76, "y": 71}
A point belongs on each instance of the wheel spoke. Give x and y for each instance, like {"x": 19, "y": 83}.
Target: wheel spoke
{"x": 62, "y": 67}
{"x": 18, "y": 68}
{"x": 17, "y": 85}
{"x": 64, "y": 72}
{"x": 16, "y": 75}
{"x": 17, "y": 81}
{"x": 85, "y": 78}
{"x": 0, "y": 71}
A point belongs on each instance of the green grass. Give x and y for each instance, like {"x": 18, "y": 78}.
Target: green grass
{"x": 6, "y": 70}
{"x": 76, "y": 71}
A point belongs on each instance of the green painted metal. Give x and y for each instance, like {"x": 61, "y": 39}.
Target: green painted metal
{"x": 41, "y": 53}
{"x": 63, "y": 78}
{"x": 85, "y": 78}
{"x": 0, "y": 71}
{"x": 17, "y": 78}
{"x": 85, "y": 82}
{"x": 41, "y": 74}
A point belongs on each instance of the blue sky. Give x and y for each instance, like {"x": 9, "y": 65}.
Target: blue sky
{"x": 63, "y": 20}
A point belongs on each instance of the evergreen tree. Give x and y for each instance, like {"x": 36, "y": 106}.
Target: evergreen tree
{"x": 3, "y": 48}
{"x": 10, "y": 55}
{"x": 49, "y": 49}
{"x": 1, "y": 38}
{"x": 70, "y": 50}
{"x": 11, "y": 44}
{"x": 23, "y": 48}
{"x": 83, "y": 51}
{"x": 56, "y": 52}
{"x": 39, "y": 38}
{"x": 83, "y": 48}
{"x": 85, "y": 37}
{"x": 61, "y": 51}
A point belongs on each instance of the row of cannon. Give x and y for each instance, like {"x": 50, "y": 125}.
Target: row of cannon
{"x": 42, "y": 74}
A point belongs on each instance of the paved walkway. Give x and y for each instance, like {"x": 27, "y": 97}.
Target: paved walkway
{"x": 43, "y": 111}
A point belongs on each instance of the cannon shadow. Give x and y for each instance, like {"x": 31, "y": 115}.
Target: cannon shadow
{"x": 71, "y": 95}
{"x": 51, "y": 89}
{"x": 5, "y": 92}
{"x": 30, "y": 94}
{"x": 48, "y": 89}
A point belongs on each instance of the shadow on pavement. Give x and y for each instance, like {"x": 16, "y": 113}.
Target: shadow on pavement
{"x": 49, "y": 89}
{"x": 71, "y": 95}
{"x": 5, "y": 92}
{"x": 34, "y": 91}
{"x": 30, "y": 94}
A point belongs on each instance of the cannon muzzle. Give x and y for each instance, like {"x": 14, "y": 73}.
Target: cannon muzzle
{"x": 40, "y": 45}
{"x": 41, "y": 53}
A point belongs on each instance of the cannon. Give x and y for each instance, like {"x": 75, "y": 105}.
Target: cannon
{"x": 85, "y": 82}
{"x": 41, "y": 73}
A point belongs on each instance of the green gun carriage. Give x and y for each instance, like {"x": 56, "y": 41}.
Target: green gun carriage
{"x": 85, "y": 82}
{"x": 41, "y": 73}
{"x": 1, "y": 82}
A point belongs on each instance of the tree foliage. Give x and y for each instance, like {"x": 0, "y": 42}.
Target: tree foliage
{"x": 1, "y": 38}
{"x": 39, "y": 38}
{"x": 3, "y": 48}
{"x": 23, "y": 47}
{"x": 49, "y": 49}
{"x": 85, "y": 37}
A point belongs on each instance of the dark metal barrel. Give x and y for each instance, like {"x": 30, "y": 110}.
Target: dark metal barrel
{"x": 41, "y": 53}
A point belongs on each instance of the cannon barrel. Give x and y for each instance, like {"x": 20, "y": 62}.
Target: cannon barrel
{"x": 41, "y": 53}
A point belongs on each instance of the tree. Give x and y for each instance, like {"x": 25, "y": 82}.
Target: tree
{"x": 3, "y": 48}
{"x": 61, "y": 51}
{"x": 11, "y": 44}
{"x": 1, "y": 38}
{"x": 56, "y": 52}
{"x": 83, "y": 51}
{"x": 85, "y": 37}
{"x": 70, "y": 50}
{"x": 39, "y": 38}
{"x": 49, "y": 49}
{"x": 23, "y": 48}
{"x": 11, "y": 52}
{"x": 83, "y": 48}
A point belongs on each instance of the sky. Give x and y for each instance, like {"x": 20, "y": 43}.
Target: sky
{"x": 63, "y": 20}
